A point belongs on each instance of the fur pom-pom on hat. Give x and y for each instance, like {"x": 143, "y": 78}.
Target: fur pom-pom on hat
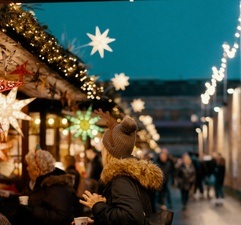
{"x": 120, "y": 139}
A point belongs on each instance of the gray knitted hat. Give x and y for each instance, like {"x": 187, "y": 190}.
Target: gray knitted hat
{"x": 119, "y": 139}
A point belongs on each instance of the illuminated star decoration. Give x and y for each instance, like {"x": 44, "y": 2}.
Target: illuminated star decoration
{"x": 10, "y": 110}
{"x": 120, "y": 81}
{"x": 137, "y": 105}
{"x": 100, "y": 42}
{"x": 84, "y": 125}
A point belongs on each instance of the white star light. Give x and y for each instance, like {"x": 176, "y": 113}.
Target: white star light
{"x": 10, "y": 110}
{"x": 120, "y": 81}
{"x": 137, "y": 105}
{"x": 100, "y": 42}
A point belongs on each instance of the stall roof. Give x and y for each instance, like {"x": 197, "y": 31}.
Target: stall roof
{"x": 51, "y": 70}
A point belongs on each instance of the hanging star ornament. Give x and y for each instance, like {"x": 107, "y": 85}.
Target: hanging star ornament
{"x": 100, "y": 42}
{"x": 21, "y": 70}
{"x": 137, "y": 105}
{"x": 84, "y": 125}
{"x": 120, "y": 81}
{"x": 10, "y": 110}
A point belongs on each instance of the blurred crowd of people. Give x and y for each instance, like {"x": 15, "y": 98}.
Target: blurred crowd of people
{"x": 199, "y": 178}
{"x": 55, "y": 194}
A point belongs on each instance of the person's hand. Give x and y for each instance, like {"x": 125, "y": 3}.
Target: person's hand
{"x": 89, "y": 221}
{"x": 91, "y": 199}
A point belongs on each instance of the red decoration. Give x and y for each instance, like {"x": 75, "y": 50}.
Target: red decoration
{"x": 8, "y": 85}
{"x": 21, "y": 71}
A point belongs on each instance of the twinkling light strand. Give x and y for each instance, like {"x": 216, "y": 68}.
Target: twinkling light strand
{"x": 221, "y": 73}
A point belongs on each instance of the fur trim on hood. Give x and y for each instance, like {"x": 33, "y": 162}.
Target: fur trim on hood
{"x": 147, "y": 173}
{"x": 64, "y": 179}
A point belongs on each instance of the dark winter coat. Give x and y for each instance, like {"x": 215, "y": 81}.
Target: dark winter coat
{"x": 186, "y": 176}
{"x": 127, "y": 182}
{"x": 50, "y": 202}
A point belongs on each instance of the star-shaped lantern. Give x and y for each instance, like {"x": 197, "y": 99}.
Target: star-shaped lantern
{"x": 10, "y": 110}
{"x": 137, "y": 105}
{"x": 120, "y": 81}
{"x": 84, "y": 125}
{"x": 100, "y": 42}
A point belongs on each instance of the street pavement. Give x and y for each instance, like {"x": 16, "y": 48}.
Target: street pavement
{"x": 205, "y": 212}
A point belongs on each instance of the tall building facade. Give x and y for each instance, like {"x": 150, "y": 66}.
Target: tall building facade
{"x": 176, "y": 109}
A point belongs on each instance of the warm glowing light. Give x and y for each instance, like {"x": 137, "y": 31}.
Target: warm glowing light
{"x": 216, "y": 109}
{"x": 37, "y": 121}
{"x": 65, "y": 132}
{"x": 64, "y": 121}
{"x": 50, "y": 121}
{"x": 230, "y": 91}
{"x": 120, "y": 81}
{"x": 137, "y": 105}
{"x": 10, "y": 110}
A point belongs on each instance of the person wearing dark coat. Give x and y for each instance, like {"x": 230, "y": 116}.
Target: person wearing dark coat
{"x": 126, "y": 179}
{"x": 186, "y": 178}
{"x": 50, "y": 191}
{"x": 219, "y": 180}
{"x": 166, "y": 166}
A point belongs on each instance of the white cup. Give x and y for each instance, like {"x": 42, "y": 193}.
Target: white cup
{"x": 81, "y": 220}
{"x": 23, "y": 200}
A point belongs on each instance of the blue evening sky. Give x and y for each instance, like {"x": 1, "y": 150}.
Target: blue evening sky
{"x": 161, "y": 39}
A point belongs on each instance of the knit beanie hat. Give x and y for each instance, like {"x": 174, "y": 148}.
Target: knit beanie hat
{"x": 119, "y": 139}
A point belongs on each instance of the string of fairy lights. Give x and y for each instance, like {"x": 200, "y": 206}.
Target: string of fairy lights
{"x": 21, "y": 25}
{"x": 219, "y": 74}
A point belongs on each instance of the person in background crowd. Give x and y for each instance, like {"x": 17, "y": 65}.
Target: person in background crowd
{"x": 219, "y": 179}
{"x": 186, "y": 178}
{"x": 69, "y": 164}
{"x": 50, "y": 191}
{"x": 199, "y": 171}
{"x": 93, "y": 170}
{"x": 150, "y": 155}
{"x": 209, "y": 163}
{"x": 126, "y": 178}
{"x": 94, "y": 165}
{"x": 165, "y": 193}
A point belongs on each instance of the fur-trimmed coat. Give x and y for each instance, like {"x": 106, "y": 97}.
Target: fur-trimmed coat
{"x": 50, "y": 202}
{"x": 127, "y": 182}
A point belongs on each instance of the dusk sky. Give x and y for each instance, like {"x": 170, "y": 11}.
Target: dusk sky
{"x": 161, "y": 39}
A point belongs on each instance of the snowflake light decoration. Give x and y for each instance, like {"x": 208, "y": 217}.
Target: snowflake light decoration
{"x": 84, "y": 125}
{"x": 10, "y": 110}
{"x": 120, "y": 81}
{"x": 137, "y": 105}
{"x": 100, "y": 42}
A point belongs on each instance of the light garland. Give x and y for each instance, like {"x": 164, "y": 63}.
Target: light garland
{"x": 22, "y": 26}
{"x": 219, "y": 74}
